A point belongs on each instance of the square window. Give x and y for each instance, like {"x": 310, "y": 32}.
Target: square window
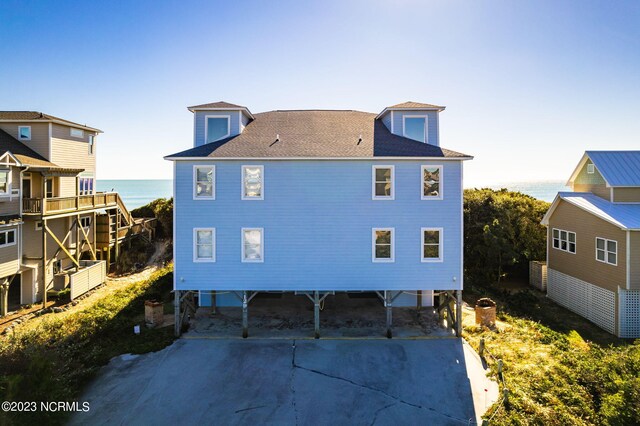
{"x": 383, "y": 250}
{"x": 607, "y": 251}
{"x": 204, "y": 182}
{"x": 24, "y": 133}
{"x": 252, "y": 182}
{"x": 383, "y": 182}
{"x": 252, "y": 245}
{"x": 431, "y": 183}
{"x": 591, "y": 168}
{"x": 415, "y": 127}
{"x": 217, "y": 127}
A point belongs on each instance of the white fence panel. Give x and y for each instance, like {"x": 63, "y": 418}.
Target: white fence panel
{"x": 629, "y": 313}
{"x": 596, "y": 304}
{"x": 90, "y": 276}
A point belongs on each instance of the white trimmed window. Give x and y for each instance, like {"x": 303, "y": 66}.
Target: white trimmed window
{"x": 76, "y": 133}
{"x": 591, "y": 168}
{"x": 383, "y": 182}
{"x": 431, "y": 245}
{"x": 252, "y": 245}
{"x": 85, "y": 186}
{"x": 564, "y": 240}
{"x": 431, "y": 185}
{"x": 85, "y": 222}
{"x": 415, "y": 127}
{"x": 24, "y": 133}
{"x": 204, "y": 186}
{"x": 91, "y": 140}
{"x": 49, "y": 188}
{"x": 216, "y": 127}
{"x": 383, "y": 249}
{"x": 204, "y": 245}
{"x": 607, "y": 251}
{"x": 7, "y": 238}
{"x": 253, "y": 182}
{"x": 38, "y": 225}
{"x": 5, "y": 181}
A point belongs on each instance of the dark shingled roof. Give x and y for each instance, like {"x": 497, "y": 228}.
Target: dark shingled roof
{"x": 416, "y": 105}
{"x": 39, "y": 116}
{"x": 316, "y": 133}
{"x": 23, "y": 153}
{"x": 220, "y": 104}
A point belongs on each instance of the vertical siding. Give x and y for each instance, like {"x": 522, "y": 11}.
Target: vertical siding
{"x": 200, "y": 119}
{"x": 432, "y": 126}
{"x": 386, "y": 120}
{"x": 9, "y": 255}
{"x": 583, "y": 264}
{"x": 39, "y": 136}
{"x": 317, "y": 218}
{"x": 597, "y": 189}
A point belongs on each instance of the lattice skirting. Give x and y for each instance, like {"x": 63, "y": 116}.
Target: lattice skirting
{"x": 596, "y": 304}
{"x": 629, "y": 313}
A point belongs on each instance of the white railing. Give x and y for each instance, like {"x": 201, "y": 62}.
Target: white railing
{"x": 91, "y": 275}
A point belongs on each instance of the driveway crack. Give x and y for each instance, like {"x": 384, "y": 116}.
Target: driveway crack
{"x": 387, "y": 394}
{"x": 379, "y": 410}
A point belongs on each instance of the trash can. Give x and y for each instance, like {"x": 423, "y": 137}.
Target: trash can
{"x": 486, "y": 312}
{"x": 153, "y": 313}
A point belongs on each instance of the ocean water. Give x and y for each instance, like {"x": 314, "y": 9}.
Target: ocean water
{"x": 136, "y": 193}
{"x": 543, "y": 190}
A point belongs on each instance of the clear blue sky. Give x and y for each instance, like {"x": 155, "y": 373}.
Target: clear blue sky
{"x": 528, "y": 85}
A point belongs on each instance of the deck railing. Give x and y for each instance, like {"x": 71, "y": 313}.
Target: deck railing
{"x": 62, "y": 204}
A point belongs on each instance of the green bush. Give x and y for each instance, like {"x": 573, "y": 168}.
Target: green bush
{"x": 162, "y": 209}
{"x": 502, "y": 233}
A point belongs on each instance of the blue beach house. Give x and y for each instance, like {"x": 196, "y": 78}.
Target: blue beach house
{"x": 317, "y": 202}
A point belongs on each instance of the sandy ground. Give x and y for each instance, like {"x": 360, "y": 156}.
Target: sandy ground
{"x": 112, "y": 284}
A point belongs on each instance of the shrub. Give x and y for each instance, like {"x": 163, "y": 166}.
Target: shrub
{"x": 162, "y": 209}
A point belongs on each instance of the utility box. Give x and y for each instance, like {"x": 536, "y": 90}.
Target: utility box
{"x": 486, "y": 312}
{"x": 153, "y": 313}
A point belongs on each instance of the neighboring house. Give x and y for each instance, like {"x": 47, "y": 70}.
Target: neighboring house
{"x": 316, "y": 202}
{"x": 593, "y": 242}
{"x": 50, "y": 213}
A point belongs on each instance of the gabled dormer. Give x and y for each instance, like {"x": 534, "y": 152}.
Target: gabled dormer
{"x": 217, "y": 121}
{"x": 612, "y": 175}
{"x": 413, "y": 120}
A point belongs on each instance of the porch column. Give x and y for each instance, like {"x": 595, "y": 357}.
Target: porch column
{"x": 245, "y": 315}
{"x": 4, "y": 297}
{"x": 44, "y": 260}
{"x": 388, "y": 302}
{"x": 78, "y": 245}
{"x": 316, "y": 314}
{"x": 459, "y": 313}
{"x": 176, "y": 313}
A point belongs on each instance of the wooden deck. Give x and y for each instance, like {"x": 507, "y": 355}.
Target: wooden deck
{"x": 57, "y": 205}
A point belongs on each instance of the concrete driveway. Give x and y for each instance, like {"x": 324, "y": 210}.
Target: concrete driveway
{"x": 307, "y": 382}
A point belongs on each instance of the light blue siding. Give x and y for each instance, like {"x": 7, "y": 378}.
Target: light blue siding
{"x": 432, "y": 124}
{"x": 317, "y": 218}
{"x": 386, "y": 120}
{"x": 200, "y": 138}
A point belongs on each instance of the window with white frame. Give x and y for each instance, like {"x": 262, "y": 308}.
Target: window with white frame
{"x": 204, "y": 182}
{"x": 607, "y": 251}
{"x": 217, "y": 127}
{"x": 49, "y": 187}
{"x": 383, "y": 249}
{"x": 383, "y": 178}
{"x": 85, "y": 186}
{"x": 24, "y": 133}
{"x": 91, "y": 140}
{"x": 204, "y": 245}
{"x": 252, "y": 245}
{"x": 564, "y": 240}
{"x": 5, "y": 181}
{"x": 431, "y": 245}
{"x": 431, "y": 182}
{"x": 415, "y": 127}
{"x": 8, "y": 238}
{"x": 591, "y": 168}
{"x": 253, "y": 182}
{"x": 85, "y": 222}
{"x": 38, "y": 225}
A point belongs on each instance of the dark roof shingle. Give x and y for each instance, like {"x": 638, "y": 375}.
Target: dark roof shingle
{"x": 314, "y": 133}
{"x": 39, "y": 116}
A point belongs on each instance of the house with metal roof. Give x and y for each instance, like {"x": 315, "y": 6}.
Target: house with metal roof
{"x": 315, "y": 202}
{"x": 593, "y": 242}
